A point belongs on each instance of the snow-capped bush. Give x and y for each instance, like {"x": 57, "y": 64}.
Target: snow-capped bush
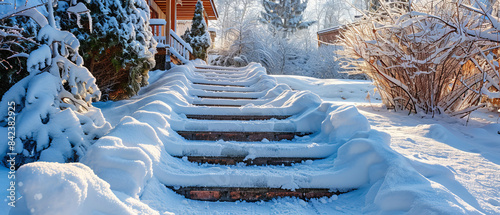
{"x": 119, "y": 48}
{"x": 54, "y": 118}
{"x": 435, "y": 58}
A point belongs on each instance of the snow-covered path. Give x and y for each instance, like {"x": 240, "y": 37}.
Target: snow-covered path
{"x": 429, "y": 166}
{"x": 471, "y": 153}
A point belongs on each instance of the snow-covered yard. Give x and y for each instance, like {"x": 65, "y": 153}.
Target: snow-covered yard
{"x": 466, "y": 155}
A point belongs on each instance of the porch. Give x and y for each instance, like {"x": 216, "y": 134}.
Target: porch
{"x": 165, "y": 15}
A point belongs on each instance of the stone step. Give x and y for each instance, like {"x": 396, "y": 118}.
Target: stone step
{"x": 261, "y": 161}
{"x": 236, "y": 117}
{"x": 232, "y": 194}
{"x": 240, "y": 136}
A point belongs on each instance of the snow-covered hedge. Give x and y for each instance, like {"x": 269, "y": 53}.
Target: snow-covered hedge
{"x": 435, "y": 58}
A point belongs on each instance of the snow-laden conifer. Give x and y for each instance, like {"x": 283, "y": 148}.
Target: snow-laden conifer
{"x": 120, "y": 36}
{"x": 198, "y": 37}
{"x": 285, "y": 16}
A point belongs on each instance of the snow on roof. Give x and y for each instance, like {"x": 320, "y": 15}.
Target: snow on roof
{"x": 331, "y": 29}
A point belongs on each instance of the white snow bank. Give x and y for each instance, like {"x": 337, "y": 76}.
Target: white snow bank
{"x": 342, "y": 122}
{"x": 126, "y": 169}
{"x": 392, "y": 183}
{"x": 53, "y": 188}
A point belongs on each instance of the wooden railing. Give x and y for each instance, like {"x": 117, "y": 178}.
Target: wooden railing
{"x": 179, "y": 48}
{"x": 175, "y": 45}
{"x": 158, "y": 30}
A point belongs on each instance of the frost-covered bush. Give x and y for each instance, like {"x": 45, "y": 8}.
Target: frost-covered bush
{"x": 436, "y": 58}
{"x": 119, "y": 35}
{"x": 198, "y": 37}
{"x": 54, "y": 118}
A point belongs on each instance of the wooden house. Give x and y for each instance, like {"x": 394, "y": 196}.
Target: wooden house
{"x": 330, "y": 36}
{"x": 165, "y": 16}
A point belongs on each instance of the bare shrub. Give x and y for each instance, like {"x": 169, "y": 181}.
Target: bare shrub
{"x": 435, "y": 58}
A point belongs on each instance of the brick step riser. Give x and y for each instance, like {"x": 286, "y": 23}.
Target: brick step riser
{"x": 230, "y": 194}
{"x": 262, "y": 161}
{"x": 225, "y": 76}
{"x": 212, "y": 88}
{"x": 217, "y": 105}
{"x": 240, "y": 136}
{"x": 221, "y": 85}
{"x": 227, "y": 98}
{"x": 236, "y": 118}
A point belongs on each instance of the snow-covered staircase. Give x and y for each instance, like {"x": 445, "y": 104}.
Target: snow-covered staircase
{"x": 238, "y": 129}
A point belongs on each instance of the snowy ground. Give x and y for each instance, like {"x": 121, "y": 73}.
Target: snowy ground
{"x": 470, "y": 150}
{"x": 456, "y": 165}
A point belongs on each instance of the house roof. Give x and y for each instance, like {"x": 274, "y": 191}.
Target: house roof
{"x": 185, "y": 10}
{"x": 335, "y": 28}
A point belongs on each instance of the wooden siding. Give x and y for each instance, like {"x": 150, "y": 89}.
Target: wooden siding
{"x": 330, "y": 35}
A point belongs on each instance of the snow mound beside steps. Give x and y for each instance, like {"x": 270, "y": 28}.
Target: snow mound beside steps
{"x": 135, "y": 158}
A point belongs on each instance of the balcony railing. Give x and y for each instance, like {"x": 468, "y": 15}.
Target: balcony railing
{"x": 158, "y": 30}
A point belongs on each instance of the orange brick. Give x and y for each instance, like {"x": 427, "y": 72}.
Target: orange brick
{"x": 205, "y": 195}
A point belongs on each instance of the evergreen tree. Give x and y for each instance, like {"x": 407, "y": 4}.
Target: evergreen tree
{"x": 120, "y": 36}
{"x": 285, "y": 16}
{"x": 198, "y": 36}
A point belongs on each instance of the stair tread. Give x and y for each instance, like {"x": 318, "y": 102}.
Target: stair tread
{"x": 282, "y": 148}
{"x": 308, "y": 174}
{"x": 199, "y": 92}
{"x": 224, "y": 88}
